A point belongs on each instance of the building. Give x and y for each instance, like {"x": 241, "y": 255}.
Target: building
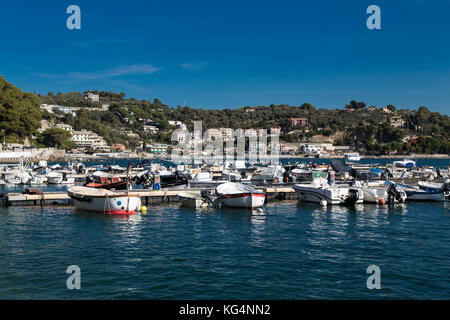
{"x": 275, "y": 130}
{"x": 150, "y": 128}
{"x": 397, "y": 122}
{"x": 177, "y": 124}
{"x": 158, "y": 148}
{"x": 92, "y": 96}
{"x": 63, "y": 126}
{"x": 179, "y": 136}
{"x": 118, "y": 147}
{"x": 289, "y": 148}
{"x": 303, "y": 122}
{"x": 210, "y": 133}
{"x": 51, "y": 108}
{"x": 89, "y": 140}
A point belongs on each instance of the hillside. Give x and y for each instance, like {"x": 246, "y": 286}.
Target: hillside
{"x": 19, "y": 112}
{"x": 370, "y": 129}
{"x": 373, "y": 130}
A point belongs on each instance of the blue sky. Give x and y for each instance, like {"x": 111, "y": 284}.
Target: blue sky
{"x": 226, "y": 54}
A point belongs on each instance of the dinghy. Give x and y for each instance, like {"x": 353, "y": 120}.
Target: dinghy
{"x": 105, "y": 201}
{"x": 238, "y": 195}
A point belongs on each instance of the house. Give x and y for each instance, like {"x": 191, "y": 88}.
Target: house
{"x": 92, "y": 96}
{"x": 179, "y": 136}
{"x": 89, "y": 139}
{"x": 177, "y": 124}
{"x": 150, "y": 128}
{"x": 303, "y": 122}
{"x": 63, "y": 126}
{"x": 275, "y": 130}
{"x": 397, "y": 122}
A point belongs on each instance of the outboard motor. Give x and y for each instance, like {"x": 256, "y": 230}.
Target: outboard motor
{"x": 395, "y": 192}
{"x": 206, "y": 196}
{"x": 89, "y": 179}
{"x": 352, "y": 197}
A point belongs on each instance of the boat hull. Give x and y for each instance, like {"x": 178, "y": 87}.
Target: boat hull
{"x": 243, "y": 200}
{"x": 331, "y": 196}
{"x": 123, "y": 205}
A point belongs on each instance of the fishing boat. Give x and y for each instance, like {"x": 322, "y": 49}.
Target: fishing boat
{"x": 105, "y": 201}
{"x": 320, "y": 191}
{"x": 238, "y": 195}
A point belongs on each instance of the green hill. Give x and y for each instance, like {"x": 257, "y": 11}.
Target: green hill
{"x": 19, "y": 112}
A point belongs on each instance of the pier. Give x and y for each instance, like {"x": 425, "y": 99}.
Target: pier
{"x": 148, "y": 197}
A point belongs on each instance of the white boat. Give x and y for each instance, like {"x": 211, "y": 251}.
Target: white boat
{"x": 238, "y": 195}
{"x": 192, "y": 199}
{"x": 425, "y": 185}
{"x": 271, "y": 173}
{"x": 417, "y": 194}
{"x": 352, "y": 156}
{"x": 60, "y": 177}
{"x": 105, "y": 201}
{"x": 388, "y": 191}
{"x": 405, "y": 163}
{"x": 319, "y": 191}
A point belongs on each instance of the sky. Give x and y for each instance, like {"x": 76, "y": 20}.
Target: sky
{"x": 229, "y": 54}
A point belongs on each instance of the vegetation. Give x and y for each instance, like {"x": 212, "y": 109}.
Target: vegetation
{"x": 371, "y": 130}
{"x": 56, "y": 138}
{"x": 19, "y": 112}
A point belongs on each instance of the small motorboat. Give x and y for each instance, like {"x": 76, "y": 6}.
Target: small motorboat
{"x": 196, "y": 199}
{"x": 238, "y": 195}
{"x": 320, "y": 191}
{"x": 60, "y": 177}
{"x": 105, "y": 201}
{"x": 417, "y": 194}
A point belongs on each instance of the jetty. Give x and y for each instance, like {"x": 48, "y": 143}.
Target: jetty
{"x": 148, "y": 197}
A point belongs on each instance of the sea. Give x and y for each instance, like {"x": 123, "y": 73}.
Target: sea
{"x": 287, "y": 250}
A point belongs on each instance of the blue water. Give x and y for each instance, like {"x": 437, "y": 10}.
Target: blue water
{"x": 291, "y": 250}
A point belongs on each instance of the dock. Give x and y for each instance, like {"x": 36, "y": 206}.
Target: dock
{"x": 148, "y": 197}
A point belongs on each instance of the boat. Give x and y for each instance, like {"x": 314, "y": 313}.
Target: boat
{"x": 352, "y": 156}
{"x": 60, "y": 177}
{"x": 107, "y": 181}
{"x": 320, "y": 191}
{"x": 105, "y": 201}
{"x": 387, "y": 192}
{"x": 196, "y": 199}
{"x": 405, "y": 163}
{"x": 238, "y": 195}
{"x": 271, "y": 173}
{"x": 417, "y": 194}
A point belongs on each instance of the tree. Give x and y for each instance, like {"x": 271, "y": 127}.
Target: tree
{"x": 57, "y": 138}
{"x": 20, "y": 114}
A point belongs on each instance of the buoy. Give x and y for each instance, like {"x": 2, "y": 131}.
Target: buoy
{"x": 143, "y": 209}
{"x": 381, "y": 201}
{"x": 323, "y": 202}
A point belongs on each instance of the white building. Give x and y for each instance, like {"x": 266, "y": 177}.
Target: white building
{"x": 63, "y": 126}
{"x": 93, "y": 97}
